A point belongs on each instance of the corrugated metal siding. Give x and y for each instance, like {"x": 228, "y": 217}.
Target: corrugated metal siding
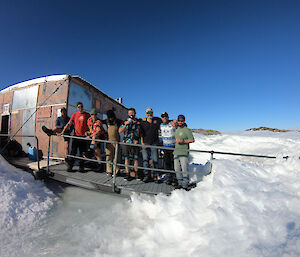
{"x": 25, "y": 98}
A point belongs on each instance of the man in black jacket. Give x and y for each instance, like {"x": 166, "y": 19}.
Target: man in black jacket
{"x": 149, "y": 136}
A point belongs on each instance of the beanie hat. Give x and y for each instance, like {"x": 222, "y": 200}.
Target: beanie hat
{"x": 110, "y": 114}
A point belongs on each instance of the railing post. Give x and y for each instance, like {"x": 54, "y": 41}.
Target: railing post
{"x": 115, "y": 165}
{"x": 48, "y": 159}
{"x": 37, "y": 149}
{"x": 210, "y": 163}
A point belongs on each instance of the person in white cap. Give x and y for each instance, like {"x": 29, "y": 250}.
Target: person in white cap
{"x": 149, "y": 136}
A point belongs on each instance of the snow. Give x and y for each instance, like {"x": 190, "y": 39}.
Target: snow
{"x": 34, "y": 81}
{"x": 245, "y": 207}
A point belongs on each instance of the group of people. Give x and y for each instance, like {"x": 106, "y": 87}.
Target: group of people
{"x": 138, "y": 135}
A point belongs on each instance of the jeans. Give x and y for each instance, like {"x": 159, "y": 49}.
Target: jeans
{"x": 168, "y": 160}
{"x": 181, "y": 169}
{"x": 150, "y": 154}
{"x": 169, "y": 164}
{"x": 82, "y": 146}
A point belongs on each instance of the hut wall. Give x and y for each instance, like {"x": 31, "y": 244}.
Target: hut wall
{"x": 22, "y": 116}
{"x": 39, "y": 97}
{"x": 97, "y": 100}
{"x": 49, "y": 110}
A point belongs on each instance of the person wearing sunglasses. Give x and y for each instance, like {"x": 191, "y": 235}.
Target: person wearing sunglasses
{"x": 184, "y": 137}
{"x": 150, "y": 136}
{"x": 131, "y": 135}
{"x": 79, "y": 120}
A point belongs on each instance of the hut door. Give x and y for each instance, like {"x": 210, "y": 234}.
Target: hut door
{"x": 4, "y": 124}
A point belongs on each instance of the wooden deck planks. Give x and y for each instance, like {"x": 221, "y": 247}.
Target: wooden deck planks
{"x": 102, "y": 179}
{"x": 94, "y": 180}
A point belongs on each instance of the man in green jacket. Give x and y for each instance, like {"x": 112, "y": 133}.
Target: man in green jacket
{"x": 184, "y": 137}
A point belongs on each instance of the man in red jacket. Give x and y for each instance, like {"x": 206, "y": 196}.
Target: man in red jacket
{"x": 79, "y": 120}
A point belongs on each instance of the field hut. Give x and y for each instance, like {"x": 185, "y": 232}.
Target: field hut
{"x": 31, "y": 104}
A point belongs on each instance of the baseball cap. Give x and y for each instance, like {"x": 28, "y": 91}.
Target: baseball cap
{"x": 164, "y": 114}
{"x": 149, "y": 110}
{"x": 181, "y": 117}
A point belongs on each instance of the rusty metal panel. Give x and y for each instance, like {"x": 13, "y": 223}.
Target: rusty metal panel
{"x": 28, "y": 128}
{"x": 43, "y": 138}
{"x": 108, "y": 104}
{"x": 16, "y": 123}
{"x": 1, "y": 102}
{"x": 98, "y": 105}
{"x": 25, "y": 98}
{"x": 57, "y": 143}
{"x": 44, "y": 112}
{"x": 8, "y": 98}
{"x": 46, "y": 96}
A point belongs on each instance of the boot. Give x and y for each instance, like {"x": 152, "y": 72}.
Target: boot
{"x": 49, "y": 132}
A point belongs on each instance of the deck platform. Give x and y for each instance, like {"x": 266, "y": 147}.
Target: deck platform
{"x": 100, "y": 181}
{"x": 94, "y": 180}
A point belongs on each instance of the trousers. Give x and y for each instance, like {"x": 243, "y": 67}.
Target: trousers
{"x": 110, "y": 156}
{"x": 77, "y": 144}
{"x": 181, "y": 169}
{"x": 150, "y": 154}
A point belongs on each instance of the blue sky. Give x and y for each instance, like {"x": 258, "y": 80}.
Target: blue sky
{"x": 225, "y": 65}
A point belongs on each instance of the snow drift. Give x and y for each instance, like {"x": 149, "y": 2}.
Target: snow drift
{"x": 245, "y": 207}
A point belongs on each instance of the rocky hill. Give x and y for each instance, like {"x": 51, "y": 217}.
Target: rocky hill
{"x": 206, "y": 131}
{"x": 268, "y": 129}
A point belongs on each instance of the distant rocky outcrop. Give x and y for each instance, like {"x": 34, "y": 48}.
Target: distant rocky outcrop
{"x": 268, "y": 129}
{"x": 206, "y": 131}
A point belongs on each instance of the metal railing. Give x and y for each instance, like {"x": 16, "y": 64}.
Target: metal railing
{"x": 117, "y": 149}
{"x": 36, "y": 145}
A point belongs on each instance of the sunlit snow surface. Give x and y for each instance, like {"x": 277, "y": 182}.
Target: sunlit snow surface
{"x": 246, "y": 207}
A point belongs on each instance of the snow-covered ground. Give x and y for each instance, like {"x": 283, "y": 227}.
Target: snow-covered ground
{"x": 245, "y": 207}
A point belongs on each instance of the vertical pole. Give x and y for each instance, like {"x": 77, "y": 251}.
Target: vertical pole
{"x": 115, "y": 165}
{"x": 48, "y": 160}
{"x": 210, "y": 163}
{"x": 37, "y": 154}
